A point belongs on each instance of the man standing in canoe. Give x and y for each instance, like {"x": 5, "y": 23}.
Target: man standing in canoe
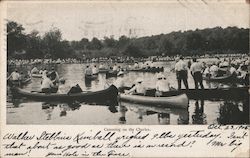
{"x": 181, "y": 70}
{"x": 196, "y": 72}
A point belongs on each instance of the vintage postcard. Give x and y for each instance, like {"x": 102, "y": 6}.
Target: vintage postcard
{"x": 123, "y": 78}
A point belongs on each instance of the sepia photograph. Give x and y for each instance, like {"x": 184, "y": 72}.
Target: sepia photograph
{"x": 173, "y": 62}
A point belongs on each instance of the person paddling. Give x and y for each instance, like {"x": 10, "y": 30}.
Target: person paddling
{"x": 162, "y": 85}
{"x": 138, "y": 88}
{"x": 47, "y": 84}
{"x": 15, "y": 76}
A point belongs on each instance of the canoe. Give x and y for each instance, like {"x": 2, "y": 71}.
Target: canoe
{"x": 228, "y": 78}
{"x": 153, "y": 69}
{"x": 111, "y": 74}
{"x": 178, "y": 101}
{"x": 90, "y": 77}
{"x": 105, "y": 95}
{"x": 37, "y": 75}
{"x": 22, "y": 82}
{"x": 103, "y": 70}
{"x": 232, "y": 93}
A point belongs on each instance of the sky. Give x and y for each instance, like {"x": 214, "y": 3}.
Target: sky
{"x": 78, "y": 20}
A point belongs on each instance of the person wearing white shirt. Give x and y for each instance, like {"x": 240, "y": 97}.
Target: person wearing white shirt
{"x": 207, "y": 71}
{"x": 15, "y": 76}
{"x": 88, "y": 71}
{"x": 120, "y": 82}
{"x": 115, "y": 68}
{"x": 233, "y": 70}
{"x": 44, "y": 73}
{"x": 94, "y": 70}
{"x": 138, "y": 88}
{"x": 162, "y": 85}
{"x": 136, "y": 65}
{"x": 196, "y": 72}
{"x": 63, "y": 88}
{"x": 101, "y": 66}
{"x": 214, "y": 70}
{"x": 181, "y": 73}
{"x": 47, "y": 85}
{"x": 34, "y": 70}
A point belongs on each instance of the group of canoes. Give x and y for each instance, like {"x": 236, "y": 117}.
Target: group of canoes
{"x": 177, "y": 98}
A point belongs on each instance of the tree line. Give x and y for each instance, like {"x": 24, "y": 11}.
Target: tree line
{"x": 197, "y": 42}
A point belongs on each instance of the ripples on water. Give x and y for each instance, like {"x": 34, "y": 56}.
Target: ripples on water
{"x": 199, "y": 111}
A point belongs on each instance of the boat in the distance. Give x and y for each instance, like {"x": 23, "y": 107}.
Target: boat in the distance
{"x": 151, "y": 69}
{"x": 226, "y": 78}
{"x": 109, "y": 94}
{"x": 111, "y": 74}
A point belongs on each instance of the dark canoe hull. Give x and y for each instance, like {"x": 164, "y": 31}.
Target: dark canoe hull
{"x": 105, "y": 95}
{"x": 17, "y": 83}
{"x": 234, "y": 93}
{"x": 103, "y": 70}
{"x": 153, "y": 69}
{"x": 228, "y": 78}
{"x": 111, "y": 74}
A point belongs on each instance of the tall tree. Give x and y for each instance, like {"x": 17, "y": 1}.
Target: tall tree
{"x": 15, "y": 38}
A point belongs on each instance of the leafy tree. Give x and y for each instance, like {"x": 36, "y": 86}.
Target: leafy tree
{"x": 109, "y": 42}
{"x": 16, "y": 41}
{"x": 51, "y": 41}
{"x": 133, "y": 50}
{"x": 165, "y": 46}
{"x": 95, "y": 44}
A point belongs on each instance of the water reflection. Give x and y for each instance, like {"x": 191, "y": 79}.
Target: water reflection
{"x": 199, "y": 117}
{"x": 232, "y": 112}
{"x": 159, "y": 114}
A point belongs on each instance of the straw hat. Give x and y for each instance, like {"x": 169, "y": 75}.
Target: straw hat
{"x": 120, "y": 73}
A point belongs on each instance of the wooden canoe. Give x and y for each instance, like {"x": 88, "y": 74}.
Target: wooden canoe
{"x": 37, "y": 75}
{"x": 231, "y": 93}
{"x": 111, "y": 74}
{"x": 228, "y": 78}
{"x": 178, "y": 101}
{"x": 108, "y": 94}
{"x": 22, "y": 82}
{"x": 152, "y": 69}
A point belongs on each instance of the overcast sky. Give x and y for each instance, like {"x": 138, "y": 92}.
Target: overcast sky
{"x": 88, "y": 20}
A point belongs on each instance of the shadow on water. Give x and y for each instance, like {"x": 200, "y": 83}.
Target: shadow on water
{"x": 199, "y": 117}
{"x": 232, "y": 112}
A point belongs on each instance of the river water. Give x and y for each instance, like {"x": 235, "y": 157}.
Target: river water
{"x": 198, "y": 112}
